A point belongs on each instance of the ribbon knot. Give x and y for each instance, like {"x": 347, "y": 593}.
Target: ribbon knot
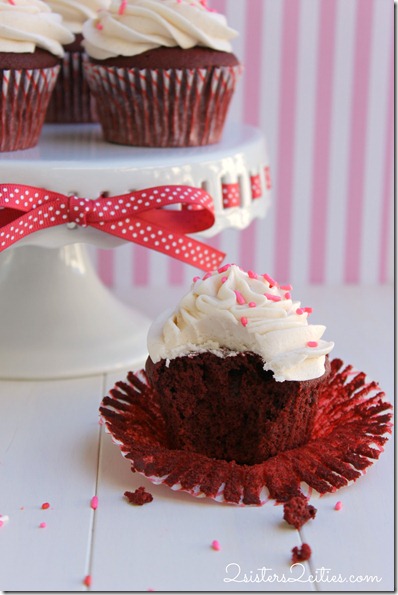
{"x": 79, "y": 210}
{"x": 157, "y": 218}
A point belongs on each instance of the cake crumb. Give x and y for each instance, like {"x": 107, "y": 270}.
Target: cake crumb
{"x": 4, "y": 518}
{"x": 216, "y": 545}
{"x": 45, "y": 505}
{"x": 87, "y": 580}
{"x": 297, "y": 511}
{"x": 301, "y": 554}
{"x": 139, "y": 497}
{"x": 338, "y": 505}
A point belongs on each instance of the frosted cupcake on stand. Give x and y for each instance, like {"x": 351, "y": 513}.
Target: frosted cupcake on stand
{"x": 162, "y": 71}
{"x": 72, "y": 101}
{"x": 31, "y": 48}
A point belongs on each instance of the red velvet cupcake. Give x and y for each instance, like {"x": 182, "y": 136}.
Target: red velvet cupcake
{"x": 162, "y": 71}
{"x": 237, "y": 368}
{"x": 72, "y": 101}
{"x": 30, "y": 55}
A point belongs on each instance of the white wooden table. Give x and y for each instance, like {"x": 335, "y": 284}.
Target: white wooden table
{"x": 52, "y": 449}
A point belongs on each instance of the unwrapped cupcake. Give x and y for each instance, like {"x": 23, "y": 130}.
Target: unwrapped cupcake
{"x": 237, "y": 368}
{"x": 162, "y": 72}
{"x": 71, "y": 101}
{"x": 31, "y": 40}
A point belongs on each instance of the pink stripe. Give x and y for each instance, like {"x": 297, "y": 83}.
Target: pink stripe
{"x": 175, "y": 272}
{"x": 323, "y": 119}
{"x": 106, "y": 260}
{"x": 140, "y": 265}
{"x": 247, "y": 247}
{"x": 286, "y": 134}
{"x": 388, "y": 193}
{"x": 251, "y": 107}
{"x": 359, "y": 112}
{"x": 252, "y": 62}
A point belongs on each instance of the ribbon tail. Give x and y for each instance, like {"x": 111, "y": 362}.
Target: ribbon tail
{"x": 178, "y": 246}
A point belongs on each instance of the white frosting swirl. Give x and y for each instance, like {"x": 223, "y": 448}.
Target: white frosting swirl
{"x": 131, "y": 28}
{"x": 240, "y": 311}
{"x": 76, "y": 12}
{"x": 29, "y": 24}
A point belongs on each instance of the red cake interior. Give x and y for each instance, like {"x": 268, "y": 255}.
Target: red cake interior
{"x": 230, "y": 408}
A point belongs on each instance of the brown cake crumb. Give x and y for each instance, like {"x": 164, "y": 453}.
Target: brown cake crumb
{"x": 297, "y": 511}
{"x": 139, "y": 497}
{"x": 301, "y": 554}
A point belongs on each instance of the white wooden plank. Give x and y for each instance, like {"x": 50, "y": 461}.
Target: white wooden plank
{"x": 49, "y": 437}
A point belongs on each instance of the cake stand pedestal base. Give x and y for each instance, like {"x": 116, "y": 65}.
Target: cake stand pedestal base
{"x": 57, "y": 320}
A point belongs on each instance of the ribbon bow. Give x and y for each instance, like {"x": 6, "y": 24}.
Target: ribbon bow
{"x": 141, "y": 217}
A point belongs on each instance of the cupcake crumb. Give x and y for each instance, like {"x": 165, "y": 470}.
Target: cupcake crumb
{"x": 301, "y": 554}
{"x": 139, "y": 497}
{"x": 297, "y": 511}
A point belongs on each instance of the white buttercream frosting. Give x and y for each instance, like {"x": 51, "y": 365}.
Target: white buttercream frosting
{"x": 238, "y": 311}
{"x": 29, "y": 24}
{"x": 76, "y": 12}
{"x": 136, "y": 26}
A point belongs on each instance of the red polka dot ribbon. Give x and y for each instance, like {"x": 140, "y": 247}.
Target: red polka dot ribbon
{"x": 145, "y": 217}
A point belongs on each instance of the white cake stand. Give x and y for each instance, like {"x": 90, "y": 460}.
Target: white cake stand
{"x": 57, "y": 320}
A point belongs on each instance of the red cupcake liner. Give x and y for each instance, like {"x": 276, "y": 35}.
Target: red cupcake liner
{"x": 162, "y": 108}
{"x": 72, "y": 101}
{"x": 23, "y": 102}
{"x": 348, "y": 436}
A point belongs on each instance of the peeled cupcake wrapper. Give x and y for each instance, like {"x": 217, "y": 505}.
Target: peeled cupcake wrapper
{"x": 71, "y": 101}
{"x": 348, "y": 436}
{"x": 24, "y": 100}
{"x": 162, "y": 108}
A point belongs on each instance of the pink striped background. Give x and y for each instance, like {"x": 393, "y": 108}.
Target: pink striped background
{"x": 319, "y": 81}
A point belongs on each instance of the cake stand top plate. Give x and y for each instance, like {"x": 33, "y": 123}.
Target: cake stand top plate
{"x": 74, "y": 159}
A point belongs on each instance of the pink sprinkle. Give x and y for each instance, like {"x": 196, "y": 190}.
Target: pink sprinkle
{"x": 252, "y": 304}
{"x": 300, "y": 311}
{"x": 252, "y": 275}
{"x": 312, "y": 344}
{"x": 244, "y": 320}
{"x": 308, "y": 310}
{"x": 206, "y": 276}
{"x": 338, "y": 505}
{"x": 287, "y": 296}
{"x": 216, "y": 545}
{"x": 239, "y": 297}
{"x": 99, "y": 26}
{"x": 224, "y": 268}
{"x": 224, "y": 279}
{"x": 195, "y": 279}
{"x": 94, "y": 502}
{"x": 270, "y": 280}
{"x": 286, "y": 287}
{"x": 122, "y": 7}
{"x": 273, "y": 298}
{"x": 1, "y": 523}
{"x": 43, "y": 525}
{"x": 11, "y": 2}
{"x": 87, "y": 580}
{"x": 45, "y": 505}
